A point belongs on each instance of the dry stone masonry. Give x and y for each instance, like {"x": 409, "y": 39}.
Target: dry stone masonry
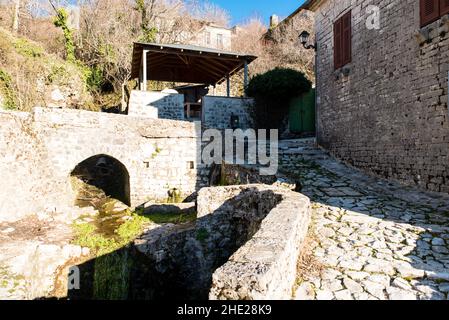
{"x": 40, "y": 149}
{"x": 265, "y": 266}
{"x": 244, "y": 245}
{"x": 156, "y": 105}
{"x": 217, "y": 112}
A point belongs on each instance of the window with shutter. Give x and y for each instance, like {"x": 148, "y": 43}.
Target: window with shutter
{"x": 337, "y": 44}
{"x": 444, "y": 7}
{"x": 429, "y": 11}
{"x": 343, "y": 41}
{"x": 347, "y": 38}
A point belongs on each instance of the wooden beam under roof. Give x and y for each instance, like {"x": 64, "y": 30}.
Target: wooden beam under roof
{"x": 191, "y": 64}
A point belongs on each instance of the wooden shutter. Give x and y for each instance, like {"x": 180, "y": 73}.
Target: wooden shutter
{"x": 346, "y": 38}
{"x": 444, "y": 7}
{"x": 429, "y": 11}
{"x": 338, "y": 31}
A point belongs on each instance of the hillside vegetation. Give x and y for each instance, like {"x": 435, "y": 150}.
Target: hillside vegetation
{"x": 30, "y": 77}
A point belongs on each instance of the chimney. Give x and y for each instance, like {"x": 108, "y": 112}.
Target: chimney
{"x": 274, "y": 21}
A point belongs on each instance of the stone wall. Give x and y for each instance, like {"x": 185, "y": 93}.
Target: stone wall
{"x": 244, "y": 245}
{"x": 156, "y": 105}
{"x": 28, "y": 184}
{"x": 265, "y": 267}
{"x": 217, "y": 112}
{"x": 386, "y": 112}
{"x": 39, "y": 150}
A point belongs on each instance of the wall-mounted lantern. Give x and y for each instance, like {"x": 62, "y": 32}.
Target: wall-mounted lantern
{"x": 304, "y": 39}
{"x": 235, "y": 122}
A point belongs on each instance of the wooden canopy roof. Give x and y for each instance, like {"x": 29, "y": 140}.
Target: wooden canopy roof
{"x": 187, "y": 63}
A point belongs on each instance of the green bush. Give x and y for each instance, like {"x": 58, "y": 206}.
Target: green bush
{"x": 27, "y": 48}
{"x": 7, "y": 91}
{"x": 273, "y": 92}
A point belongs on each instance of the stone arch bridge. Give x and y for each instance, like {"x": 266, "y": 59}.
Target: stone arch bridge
{"x": 40, "y": 150}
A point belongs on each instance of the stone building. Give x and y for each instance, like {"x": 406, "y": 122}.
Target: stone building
{"x": 382, "y": 86}
{"x": 213, "y": 36}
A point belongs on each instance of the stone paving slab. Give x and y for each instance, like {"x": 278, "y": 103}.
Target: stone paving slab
{"x": 376, "y": 239}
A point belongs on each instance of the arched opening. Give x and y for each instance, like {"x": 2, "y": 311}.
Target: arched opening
{"x": 101, "y": 176}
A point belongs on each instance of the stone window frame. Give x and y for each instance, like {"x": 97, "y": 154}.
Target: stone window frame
{"x": 438, "y": 8}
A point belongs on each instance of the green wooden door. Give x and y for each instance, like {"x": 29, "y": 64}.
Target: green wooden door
{"x": 302, "y": 113}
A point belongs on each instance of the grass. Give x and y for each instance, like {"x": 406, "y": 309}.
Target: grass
{"x": 307, "y": 265}
{"x": 87, "y": 235}
{"x": 131, "y": 228}
{"x": 172, "y": 218}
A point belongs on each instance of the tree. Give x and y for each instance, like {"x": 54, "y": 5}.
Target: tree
{"x": 61, "y": 21}
{"x": 278, "y": 46}
{"x": 15, "y": 21}
{"x": 208, "y": 11}
{"x": 248, "y": 40}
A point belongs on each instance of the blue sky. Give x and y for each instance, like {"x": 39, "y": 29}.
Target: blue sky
{"x": 240, "y": 10}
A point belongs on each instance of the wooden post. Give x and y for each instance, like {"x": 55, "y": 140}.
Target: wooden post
{"x": 144, "y": 71}
{"x": 228, "y": 86}
{"x": 188, "y": 110}
{"x": 245, "y": 78}
{"x": 140, "y": 77}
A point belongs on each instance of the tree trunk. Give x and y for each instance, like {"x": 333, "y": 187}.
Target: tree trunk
{"x": 124, "y": 95}
{"x": 15, "y": 21}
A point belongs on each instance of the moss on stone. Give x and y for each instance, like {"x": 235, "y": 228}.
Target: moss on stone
{"x": 202, "y": 235}
{"x": 172, "y": 218}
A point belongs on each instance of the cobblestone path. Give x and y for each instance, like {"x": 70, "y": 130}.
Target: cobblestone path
{"x": 374, "y": 239}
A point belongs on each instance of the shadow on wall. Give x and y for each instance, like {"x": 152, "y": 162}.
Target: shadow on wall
{"x": 100, "y": 176}
{"x": 380, "y": 215}
{"x": 176, "y": 261}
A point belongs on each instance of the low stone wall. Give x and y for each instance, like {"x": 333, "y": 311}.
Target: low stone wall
{"x": 229, "y": 174}
{"x": 244, "y": 245}
{"x": 156, "y": 105}
{"x": 217, "y": 112}
{"x": 180, "y": 260}
{"x": 254, "y": 232}
{"x": 265, "y": 267}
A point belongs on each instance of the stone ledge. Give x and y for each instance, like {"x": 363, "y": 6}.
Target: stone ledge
{"x": 146, "y": 127}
